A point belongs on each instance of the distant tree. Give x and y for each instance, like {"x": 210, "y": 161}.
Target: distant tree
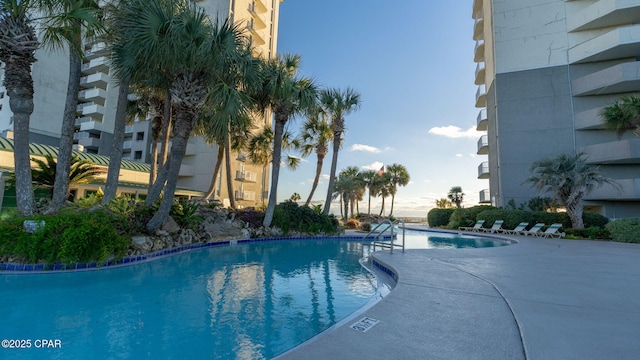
{"x": 569, "y": 178}
{"x": 398, "y": 176}
{"x": 444, "y": 203}
{"x": 623, "y": 115}
{"x": 295, "y": 197}
{"x": 368, "y": 178}
{"x": 456, "y": 195}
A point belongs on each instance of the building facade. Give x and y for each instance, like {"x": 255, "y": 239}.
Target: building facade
{"x": 545, "y": 69}
{"x": 97, "y": 102}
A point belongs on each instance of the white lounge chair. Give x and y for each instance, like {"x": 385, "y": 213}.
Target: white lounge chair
{"x": 495, "y": 228}
{"x": 476, "y": 227}
{"x": 518, "y": 229}
{"x": 553, "y": 231}
{"x": 535, "y": 230}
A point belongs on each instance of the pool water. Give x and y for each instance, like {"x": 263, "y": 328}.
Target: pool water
{"x": 416, "y": 239}
{"x": 249, "y": 301}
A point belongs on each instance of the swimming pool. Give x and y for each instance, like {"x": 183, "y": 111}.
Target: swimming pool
{"x": 248, "y": 301}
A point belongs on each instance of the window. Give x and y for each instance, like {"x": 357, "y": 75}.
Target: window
{"x": 139, "y": 136}
{"x": 137, "y": 155}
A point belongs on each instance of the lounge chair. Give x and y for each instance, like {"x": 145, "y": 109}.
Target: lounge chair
{"x": 496, "y": 228}
{"x": 518, "y": 229}
{"x": 476, "y": 227}
{"x": 553, "y": 231}
{"x": 535, "y": 230}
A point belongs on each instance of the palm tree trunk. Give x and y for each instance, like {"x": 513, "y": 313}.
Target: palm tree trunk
{"x": 574, "y": 210}
{"x": 61, "y": 186}
{"x": 154, "y": 191}
{"x": 227, "y": 162}
{"x": 332, "y": 174}
{"x": 275, "y": 168}
{"x": 382, "y": 207}
{"x": 216, "y": 171}
{"x": 369, "y": 205}
{"x": 392, "y": 201}
{"x": 115, "y": 160}
{"x": 19, "y": 85}
{"x": 316, "y": 179}
{"x": 183, "y": 126}
{"x": 166, "y": 130}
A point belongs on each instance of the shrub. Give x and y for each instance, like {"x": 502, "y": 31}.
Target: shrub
{"x": 592, "y": 219}
{"x": 184, "y": 212}
{"x": 594, "y": 233}
{"x": 625, "y": 230}
{"x": 353, "y": 224}
{"x": 288, "y": 216}
{"x": 251, "y": 216}
{"x": 439, "y": 217}
{"x": 365, "y": 226}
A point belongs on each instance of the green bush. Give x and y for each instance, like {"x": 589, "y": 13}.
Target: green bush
{"x": 625, "y": 230}
{"x": 288, "y": 216}
{"x": 592, "y": 219}
{"x": 438, "y": 217}
{"x": 593, "y": 232}
{"x": 468, "y": 216}
{"x": 67, "y": 237}
{"x": 251, "y": 216}
{"x": 184, "y": 212}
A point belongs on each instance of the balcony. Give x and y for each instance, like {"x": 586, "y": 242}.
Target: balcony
{"x": 256, "y": 37}
{"x": 94, "y": 80}
{"x": 589, "y": 120}
{"x": 621, "y": 78}
{"x": 92, "y": 126}
{"x": 603, "y": 14}
{"x": 126, "y": 144}
{"x": 96, "y": 50}
{"x": 481, "y": 97}
{"x": 96, "y": 95}
{"x": 478, "y": 52}
{"x": 615, "y": 152}
{"x": 485, "y": 197}
{"x": 483, "y": 170}
{"x": 483, "y": 145}
{"x": 86, "y": 140}
{"x": 478, "y": 29}
{"x": 480, "y": 74}
{"x": 245, "y": 195}
{"x": 259, "y": 6}
{"x": 482, "y": 121}
{"x": 259, "y": 22}
{"x": 91, "y": 109}
{"x": 99, "y": 64}
{"x": 246, "y": 176}
{"x": 620, "y": 43}
{"x": 477, "y": 9}
{"x": 627, "y": 189}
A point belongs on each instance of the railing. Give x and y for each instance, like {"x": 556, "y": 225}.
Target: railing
{"x": 379, "y": 241}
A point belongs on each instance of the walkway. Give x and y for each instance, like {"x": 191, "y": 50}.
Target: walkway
{"x": 537, "y": 299}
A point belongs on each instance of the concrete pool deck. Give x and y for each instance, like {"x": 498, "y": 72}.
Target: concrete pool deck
{"x": 537, "y": 299}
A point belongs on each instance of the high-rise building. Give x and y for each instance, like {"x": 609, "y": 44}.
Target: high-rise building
{"x": 545, "y": 70}
{"x": 97, "y": 102}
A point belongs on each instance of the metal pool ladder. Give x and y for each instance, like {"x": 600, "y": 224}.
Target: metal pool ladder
{"x": 378, "y": 240}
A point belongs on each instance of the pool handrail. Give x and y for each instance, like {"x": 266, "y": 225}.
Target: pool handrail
{"x": 391, "y": 226}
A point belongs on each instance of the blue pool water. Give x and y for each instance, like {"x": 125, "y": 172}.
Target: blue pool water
{"x": 249, "y": 301}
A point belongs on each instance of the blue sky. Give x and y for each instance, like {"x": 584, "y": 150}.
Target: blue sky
{"x": 413, "y": 65}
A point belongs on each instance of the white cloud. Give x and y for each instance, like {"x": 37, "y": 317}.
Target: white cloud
{"x": 365, "y": 148}
{"x": 324, "y": 176}
{"x": 454, "y": 132}
{"x": 458, "y": 155}
{"x": 375, "y": 166}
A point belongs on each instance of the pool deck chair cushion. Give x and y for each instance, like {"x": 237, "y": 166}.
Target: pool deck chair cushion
{"x": 518, "y": 229}
{"x": 496, "y": 228}
{"x": 476, "y": 227}
{"x": 553, "y": 231}
{"x": 535, "y": 230}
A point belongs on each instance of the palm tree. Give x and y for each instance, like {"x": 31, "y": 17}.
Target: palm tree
{"x": 456, "y": 196}
{"x": 444, "y": 203}
{"x": 178, "y": 39}
{"x": 287, "y": 95}
{"x": 623, "y": 115}
{"x": 18, "y": 44}
{"x": 315, "y": 137}
{"x": 67, "y": 23}
{"x": 368, "y": 177}
{"x": 569, "y": 178}
{"x": 382, "y": 186}
{"x": 348, "y": 185}
{"x": 337, "y": 104}
{"x": 399, "y": 176}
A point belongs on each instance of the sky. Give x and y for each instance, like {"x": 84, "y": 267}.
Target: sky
{"x": 412, "y": 63}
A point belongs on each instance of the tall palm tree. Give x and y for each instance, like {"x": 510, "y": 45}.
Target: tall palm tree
{"x": 569, "y": 178}
{"x": 368, "y": 178}
{"x": 382, "y": 186}
{"x": 623, "y": 115}
{"x": 348, "y": 185}
{"x": 178, "y": 38}
{"x": 399, "y": 177}
{"x": 67, "y": 23}
{"x": 18, "y": 44}
{"x": 315, "y": 137}
{"x": 456, "y": 196}
{"x": 287, "y": 95}
{"x": 337, "y": 104}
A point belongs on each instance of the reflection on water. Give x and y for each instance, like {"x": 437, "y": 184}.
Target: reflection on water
{"x": 240, "y": 302}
